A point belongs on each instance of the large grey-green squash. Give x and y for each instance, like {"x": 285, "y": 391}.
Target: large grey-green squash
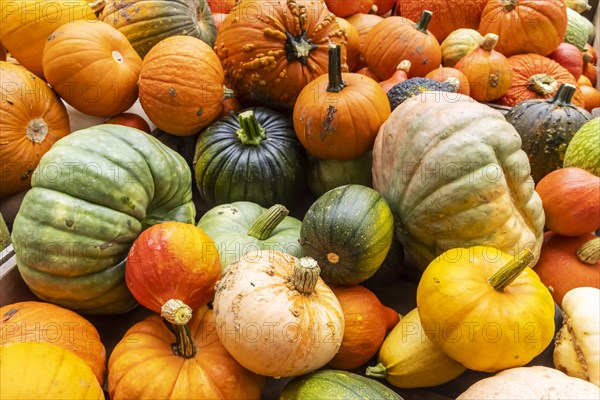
{"x": 92, "y": 194}
{"x": 453, "y": 172}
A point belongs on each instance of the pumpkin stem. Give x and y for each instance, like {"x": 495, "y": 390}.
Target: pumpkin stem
{"x": 542, "y": 84}
{"x": 176, "y": 315}
{"x": 509, "y": 5}
{"x": 267, "y": 222}
{"x": 36, "y": 130}
{"x": 228, "y": 93}
{"x": 563, "y": 95}
{"x": 489, "y": 41}
{"x": 298, "y": 48}
{"x": 404, "y": 66}
{"x": 377, "y": 371}
{"x": 97, "y": 6}
{"x": 587, "y": 57}
{"x": 336, "y": 83}
{"x": 423, "y": 22}
{"x": 509, "y": 272}
{"x": 452, "y": 80}
{"x": 589, "y": 253}
{"x": 305, "y": 275}
{"x": 250, "y": 133}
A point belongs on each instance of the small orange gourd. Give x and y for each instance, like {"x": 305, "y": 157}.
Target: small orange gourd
{"x": 453, "y": 76}
{"x": 399, "y": 76}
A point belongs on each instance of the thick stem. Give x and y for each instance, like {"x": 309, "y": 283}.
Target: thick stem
{"x": 36, "y": 130}
{"x": 264, "y": 225}
{"x": 589, "y": 253}
{"x": 336, "y": 83}
{"x": 423, "y": 22}
{"x": 305, "y": 275}
{"x": 176, "y": 315}
{"x": 228, "y": 93}
{"x": 378, "y": 371}
{"x": 404, "y": 66}
{"x": 563, "y": 95}
{"x": 250, "y": 133}
{"x": 489, "y": 41}
{"x": 509, "y": 5}
{"x": 542, "y": 84}
{"x": 509, "y": 272}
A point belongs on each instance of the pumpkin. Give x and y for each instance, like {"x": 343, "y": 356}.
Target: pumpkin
{"x": 367, "y": 72}
{"x": 569, "y": 57}
{"x": 571, "y": 198}
{"x": 591, "y": 97}
{"x": 367, "y": 6}
{"x": 584, "y": 81}
{"x": 92, "y": 67}
{"x": 335, "y": 384}
{"x": 325, "y": 175}
{"x": 537, "y": 77}
{"x": 50, "y": 371}
{"x": 4, "y": 234}
{"x": 525, "y": 26}
{"x": 343, "y": 8}
{"x": 589, "y": 54}
{"x": 349, "y": 231}
{"x": 363, "y": 24}
{"x": 383, "y": 7}
{"x": 322, "y": 118}
{"x": 409, "y": 359}
{"x": 145, "y": 23}
{"x": 366, "y": 322}
{"x": 535, "y": 382}
{"x": 578, "y": 341}
{"x": 452, "y": 183}
{"x": 418, "y": 87}
{"x": 546, "y": 127}
{"x": 395, "y": 39}
{"x": 130, "y": 119}
{"x": 291, "y": 322}
{"x": 488, "y": 71}
{"x": 190, "y": 366}
{"x": 568, "y": 262}
{"x": 452, "y": 76}
{"x": 32, "y": 119}
{"x": 241, "y": 227}
{"x": 591, "y": 72}
{"x": 92, "y": 195}
{"x": 352, "y": 43}
{"x": 242, "y": 156}
{"x": 33, "y": 321}
{"x": 271, "y": 50}
{"x": 220, "y": 6}
{"x": 458, "y": 44}
{"x": 218, "y": 19}
{"x": 462, "y": 297}
{"x": 399, "y": 76}
{"x": 27, "y": 24}
{"x": 182, "y": 106}
{"x": 577, "y": 30}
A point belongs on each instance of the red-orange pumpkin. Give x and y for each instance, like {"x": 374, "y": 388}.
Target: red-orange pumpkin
{"x": 221, "y": 6}
{"x": 452, "y": 75}
{"x": 343, "y": 8}
{"x": 591, "y": 97}
{"x": 569, "y": 56}
{"x": 591, "y": 72}
{"x": 367, "y": 72}
{"x": 384, "y": 6}
{"x": 399, "y": 76}
{"x": 130, "y": 119}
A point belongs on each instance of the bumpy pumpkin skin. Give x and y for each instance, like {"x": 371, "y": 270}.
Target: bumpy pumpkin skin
{"x": 453, "y": 172}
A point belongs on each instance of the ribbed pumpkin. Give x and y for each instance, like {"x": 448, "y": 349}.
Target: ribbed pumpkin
{"x": 363, "y": 24}
{"x": 352, "y": 43}
{"x": 145, "y": 23}
{"x": 525, "y": 26}
{"x": 546, "y": 127}
{"x": 577, "y": 29}
{"x": 458, "y": 44}
{"x": 569, "y": 57}
{"x": 591, "y": 97}
{"x": 418, "y": 87}
{"x": 32, "y": 119}
{"x": 26, "y": 25}
{"x": 583, "y": 151}
{"x": 93, "y": 67}
{"x": 343, "y": 8}
{"x": 271, "y": 50}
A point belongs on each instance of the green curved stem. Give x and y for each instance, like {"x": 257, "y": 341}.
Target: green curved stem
{"x": 264, "y": 225}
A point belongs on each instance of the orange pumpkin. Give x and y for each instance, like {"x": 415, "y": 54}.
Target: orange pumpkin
{"x": 367, "y": 6}
{"x": 525, "y": 26}
{"x": 352, "y": 43}
{"x": 221, "y": 6}
{"x": 32, "y": 119}
{"x": 130, "y": 119}
{"x": 363, "y": 24}
{"x": 583, "y": 81}
{"x": 182, "y": 85}
{"x": 366, "y": 323}
{"x": 399, "y": 76}
{"x": 591, "y": 97}
{"x": 537, "y": 77}
{"x": 33, "y": 321}
{"x": 367, "y": 72}
{"x": 93, "y": 67}
{"x": 452, "y": 75}
{"x": 384, "y": 6}
{"x": 591, "y": 72}
{"x": 343, "y": 8}
{"x": 590, "y": 54}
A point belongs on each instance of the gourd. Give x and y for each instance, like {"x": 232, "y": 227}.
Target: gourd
{"x": 4, "y": 234}
{"x": 591, "y": 97}
{"x": 325, "y": 175}
{"x": 417, "y": 87}
{"x": 458, "y": 44}
{"x": 582, "y": 151}
{"x": 400, "y": 75}
{"x": 577, "y": 30}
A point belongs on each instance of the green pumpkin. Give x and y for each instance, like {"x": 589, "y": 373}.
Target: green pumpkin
{"x": 584, "y": 149}
{"x": 325, "y": 175}
{"x": 253, "y": 156}
{"x": 349, "y": 231}
{"x": 92, "y": 194}
{"x": 335, "y": 385}
{"x": 577, "y": 32}
{"x": 546, "y": 127}
{"x": 241, "y": 227}
{"x": 415, "y": 86}
{"x": 146, "y": 23}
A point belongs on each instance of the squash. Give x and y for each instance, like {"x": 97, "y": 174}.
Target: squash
{"x": 191, "y": 366}
{"x": 363, "y": 24}
{"x": 454, "y": 175}
{"x": 577, "y": 30}
{"x": 145, "y": 23}
{"x": 325, "y": 175}
{"x": 578, "y": 342}
{"x": 591, "y": 97}
{"x": 409, "y": 359}
{"x": 92, "y": 67}
{"x": 348, "y": 231}
{"x": 34, "y": 321}
{"x": 4, "y": 234}
{"x": 130, "y": 119}
{"x": 241, "y": 156}
{"x": 182, "y": 106}
{"x": 571, "y": 199}
{"x": 525, "y": 26}
{"x": 420, "y": 88}
{"x": 366, "y": 322}
{"x": 391, "y": 268}
{"x": 582, "y": 151}
{"x": 591, "y": 72}
{"x": 569, "y": 262}
{"x": 578, "y": 5}
{"x": 535, "y": 382}
{"x": 323, "y": 121}
{"x": 92, "y": 195}
{"x": 452, "y": 76}
{"x": 241, "y": 227}
{"x": 56, "y": 374}
{"x": 335, "y": 385}
{"x": 352, "y": 43}
{"x": 458, "y": 44}
{"x": 546, "y": 127}
{"x": 589, "y": 54}
{"x": 32, "y": 119}
{"x": 462, "y": 297}
{"x": 399, "y": 76}
{"x": 569, "y": 56}
{"x": 290, "y": 321}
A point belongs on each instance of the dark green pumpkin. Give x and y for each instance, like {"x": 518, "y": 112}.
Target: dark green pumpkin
{"x": 92, "y": 194}
{"x": 242, "y": 227}
{"x": 254, "y": 156}
{"x": 415, "y": 86}
{"x": 348, "y": 230}
{"x": 146, "y": 23}
{"x": 546, "y": 127}
{"x": 336, "y": 385}
{"x": 325, "y": 175}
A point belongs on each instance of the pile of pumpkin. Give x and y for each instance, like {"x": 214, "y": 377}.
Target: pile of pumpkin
{"x": 498, "y": 212}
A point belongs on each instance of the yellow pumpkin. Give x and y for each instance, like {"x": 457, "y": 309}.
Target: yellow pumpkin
{"x": 485, "y": 308}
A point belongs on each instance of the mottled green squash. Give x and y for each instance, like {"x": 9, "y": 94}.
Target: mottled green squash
{"x": 584, "y": 149}
{"x": 577, "y": 29}
{"x": 325, "y": 175}
{"x": 415, "y": 87}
